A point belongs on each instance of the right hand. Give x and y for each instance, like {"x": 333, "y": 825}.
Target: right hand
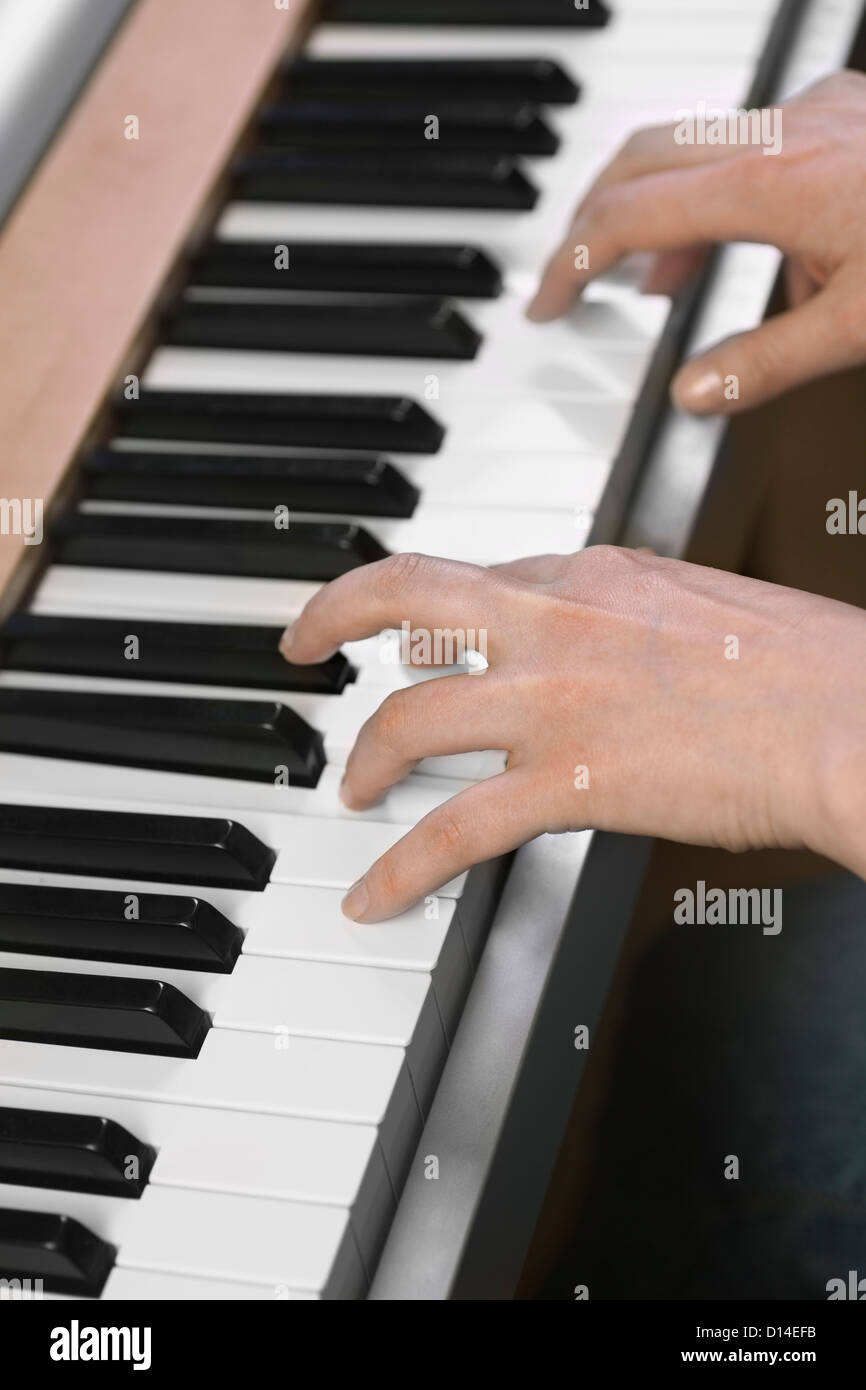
{"x": 701, "y": 706}
{"x": 809, "y": 200}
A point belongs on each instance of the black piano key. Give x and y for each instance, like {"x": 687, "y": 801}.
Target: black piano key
{"x": 292, "y": 421}
{"x": 391, "y": 326}
{"x": 398, "y": 124}
{"x": 428, "y": 178}
{"x": 252, "y": 740}
{"x": 74, "y": 1153}
{"x": 186, "y": 653}
{"x": 213, "y": 851}
{"x": 320, "y": 550}
{"x": 104, "y": 1011}
{"x": 435, "y": 80}
{"x": 161, "y": 929}
{"x": 399, "y": 268}
{"x": 64, "y": 1255}
{"x": 559, "y": 14}
{"x": 346, "y": 484}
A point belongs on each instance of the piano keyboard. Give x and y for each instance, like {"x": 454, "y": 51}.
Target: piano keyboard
{"x": 212, "y": 1085}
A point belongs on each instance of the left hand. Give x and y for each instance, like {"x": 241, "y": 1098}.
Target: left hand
{"x": 632, "y": 693}
{"x": 676, "y": 200}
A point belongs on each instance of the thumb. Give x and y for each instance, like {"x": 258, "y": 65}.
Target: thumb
{"x": 826, "y": 334}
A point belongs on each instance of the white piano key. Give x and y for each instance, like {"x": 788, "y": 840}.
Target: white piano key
{"x": 213, "y": 1235}
{"x": 23, "y": 777}
{"x": 307, "y": 923}
{"x": 565, "y": 482}
{"x": 338, "y": 856}
{"x": 549, "y": 424}
{"x": 273, "y": 1156}
{"x": 104, "y": 593}
{"x": 487, "y": 536}
{"x": 339, "y": 718}
{"x": 80, "y": 591}
{"x": 308, "y": 1078}
{"x": 517, "y": 241}
{"x": 598, "y": 350}
{"x": 347, "y": 1003}
{"x": 144, "y": 1286}
{"x": 674, "y": 32}
{"x": 295, "y": 923}
{"x": 544, "y": 482}
{"x": 315, "y": 853}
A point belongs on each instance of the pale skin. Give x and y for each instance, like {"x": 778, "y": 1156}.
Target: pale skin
{"x": 630, "y": 692}
{"x": 675, "y": 200}
{"x": 617, "y": 662}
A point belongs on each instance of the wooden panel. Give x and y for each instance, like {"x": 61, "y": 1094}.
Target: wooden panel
{"x": 104, "y": 219}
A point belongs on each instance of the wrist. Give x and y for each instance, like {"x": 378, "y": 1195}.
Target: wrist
{"x": 840, "y": 821}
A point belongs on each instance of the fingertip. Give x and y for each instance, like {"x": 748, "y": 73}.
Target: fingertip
{"x": 349, "y": 800}
{"x": 356, "y": 904}
{"x": 302, "y": 653}
{"x": 535, "y": 311}
{"x": 543, "y": 309}
{"x": 699, "y": 389}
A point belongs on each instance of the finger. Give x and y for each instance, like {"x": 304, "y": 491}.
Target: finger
{"x": 429, "y": 593}
{"x": 824, "y": 335}
{"x": 662, "y": 212}
{"x": 652, "y": 149}
{"x": 672, "y": 270}
{"x": 455, "y": 714}
{"x": 487, "y": 820}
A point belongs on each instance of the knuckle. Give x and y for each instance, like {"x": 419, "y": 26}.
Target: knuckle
{"x": 394, "y": 574}
{"x": 613, "y": 575}
{"x": 385, "y": 879}
{"x": 763, "y": 357}
{"x": 313, "y": 610}
{"x": 392, "y": 722}
{"x": 649, "y": 583}
{"x": 452, "y": 832}
{"x": 607, "y": 561}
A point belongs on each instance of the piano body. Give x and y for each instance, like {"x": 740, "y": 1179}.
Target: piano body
{"x": 239, "y": 282}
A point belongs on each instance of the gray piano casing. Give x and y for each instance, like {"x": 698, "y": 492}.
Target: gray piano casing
{"x": 513, "y": 1072}
{"x": 48, "y": 48}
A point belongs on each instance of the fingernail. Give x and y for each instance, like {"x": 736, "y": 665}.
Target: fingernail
{"x": 346, "y": 796}
{"x": 701, "y": 393}
{"x": 286, "y": 641}
{"x": 356, "y": 901}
